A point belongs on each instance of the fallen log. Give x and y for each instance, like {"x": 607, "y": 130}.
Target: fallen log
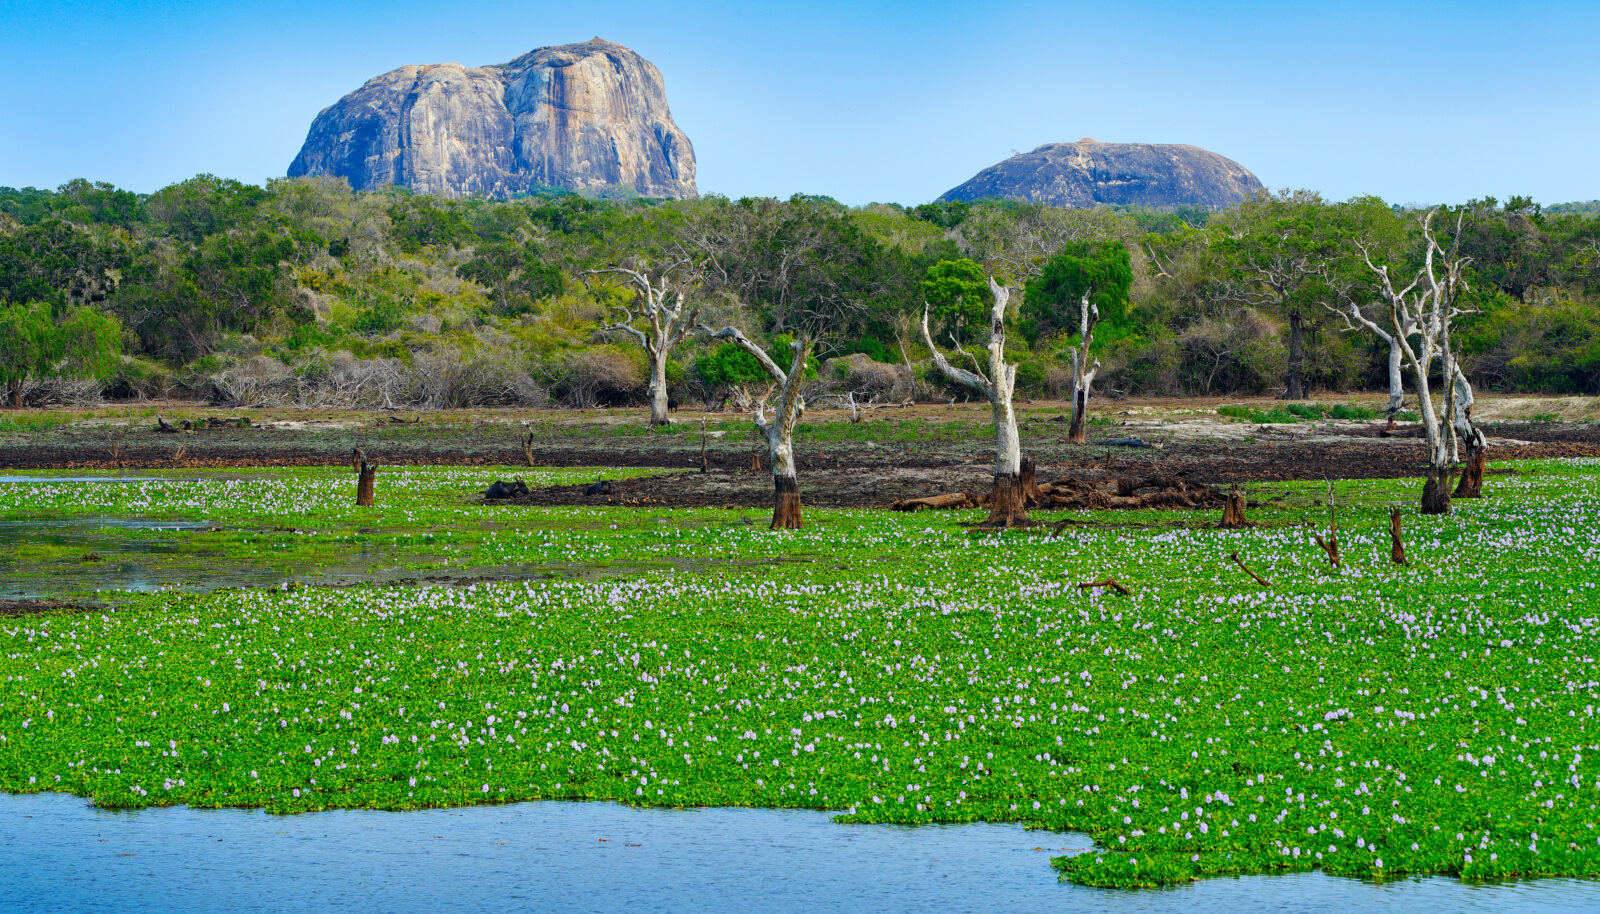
{"x": 1112, "y": 583}
{"x": 1246, "y": 569}
{"x": 934, "y": 502}
{"x": 1124, "y": 492}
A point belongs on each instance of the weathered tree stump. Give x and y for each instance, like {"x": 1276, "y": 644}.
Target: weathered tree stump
{"x": 1397, "y": 545}
{"x": 786, "y": 513}
{"x": 1233, "y": 510}
{"x": 1031, "y": 496}
{"x": 1471, "y": 483}
{"x": 527, "y": 448}
{"x": 1436, "y": 493}
{"x": 1080, "y": 417}
{"x": 366, "y": 479}
{"x": 1007, "y": 503}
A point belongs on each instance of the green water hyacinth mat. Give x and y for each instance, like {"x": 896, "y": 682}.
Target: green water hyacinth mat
{"x": 1371, "y": 721}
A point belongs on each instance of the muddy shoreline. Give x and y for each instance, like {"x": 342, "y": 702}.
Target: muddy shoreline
{"x": 840, "y": 465}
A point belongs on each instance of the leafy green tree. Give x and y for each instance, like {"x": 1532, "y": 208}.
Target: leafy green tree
{"x": 724, "y": 369}
{"x": 27, "y": 337}
{"x": 1273, "y": 250}
{"x": 1053, "y": 300}
{"x": 99, "y": 203}
{"x": 61, "y": 263}
{"x": 422, "y": 221}
{"x": 958, "y": 297}
{"x": 204, "y": 205}
{"x": 87, "y": 343}
{"x": 1086, "y": 283}
{"x": 514, "y": 274}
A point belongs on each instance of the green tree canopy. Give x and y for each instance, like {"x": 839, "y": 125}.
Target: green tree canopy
{"x": 957, "y": 294}
{"x": 1053, "y": 301}
{"x": 85, "y": 344}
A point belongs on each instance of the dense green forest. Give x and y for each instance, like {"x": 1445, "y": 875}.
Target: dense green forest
{"x": 304, "y": 293}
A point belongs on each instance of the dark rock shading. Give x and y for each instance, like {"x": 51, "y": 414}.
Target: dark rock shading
{"x": 588, "y": 116}
{"x": 1087, "y": 173}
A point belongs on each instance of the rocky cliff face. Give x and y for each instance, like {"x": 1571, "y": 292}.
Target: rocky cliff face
{"x": 578, "y": 116}
{"x": 1087, "y": 173}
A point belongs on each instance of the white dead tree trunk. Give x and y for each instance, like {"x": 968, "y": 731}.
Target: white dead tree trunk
{"x": 790, "y": 406}
{"x": 1477, "y": 455}
{"x": 1355, "y": 319}
{"x": 667, "y": 317}
{"x": 1082, "y": 371}
{"x": 1426, "y": 306}
{"x": 1008, "y": 507}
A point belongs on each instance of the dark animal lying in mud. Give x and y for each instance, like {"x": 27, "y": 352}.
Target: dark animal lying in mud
{"x": 506, "y": 489}
{"x": 603, "y": 487}
{"x": 1125, "y": 442}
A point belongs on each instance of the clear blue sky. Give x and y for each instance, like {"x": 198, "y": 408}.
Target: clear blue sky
{"x": 864, "y": 101}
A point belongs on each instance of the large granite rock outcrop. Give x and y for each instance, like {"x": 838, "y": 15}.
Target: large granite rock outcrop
{"x": 1087, "y": 173}
{"x": 576, "y": 116}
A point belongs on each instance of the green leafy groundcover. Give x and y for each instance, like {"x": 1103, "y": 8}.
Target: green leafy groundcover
{"x": 1372, "y": 722}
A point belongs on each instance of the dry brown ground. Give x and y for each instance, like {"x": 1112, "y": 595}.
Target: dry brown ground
{"x": 894, "y": 453}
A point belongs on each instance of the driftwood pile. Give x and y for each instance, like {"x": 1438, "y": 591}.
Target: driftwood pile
{"x": 1126, "y": 491}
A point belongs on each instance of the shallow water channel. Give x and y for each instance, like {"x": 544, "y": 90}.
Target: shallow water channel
{"x": 59, "y": 854}
{"x": 70, "y": 556}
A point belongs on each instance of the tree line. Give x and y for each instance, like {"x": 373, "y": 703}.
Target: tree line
{"x": 304, "y": 292}
{"x": 214, "y": 284}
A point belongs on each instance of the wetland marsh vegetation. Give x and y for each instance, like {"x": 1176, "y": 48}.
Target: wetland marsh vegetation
{"x": 1374, "y": 721}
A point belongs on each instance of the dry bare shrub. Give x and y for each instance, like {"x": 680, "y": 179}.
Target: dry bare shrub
{"x": 61, "y": 392}
{"x": 346, "y": 382}
{"x": 602, "y": 376}
{"x": 452, "y": 378}
{"x": 260, "y": 381}
{"x": 1057, "y": 381}
{"x": 868, "y": 379}
{"x": 1237, "y": 351}
{"x": 312, "y": 302}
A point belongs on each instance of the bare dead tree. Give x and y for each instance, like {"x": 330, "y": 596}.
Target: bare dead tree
{"x": 1083, "y": 371}
{"x": 1427, "y": 306}
{"x": 1008, "y": 507}
{"x": 661, "y": 306}
{"x": 779, "y": 432}
{"x": 1350, "y": 311}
